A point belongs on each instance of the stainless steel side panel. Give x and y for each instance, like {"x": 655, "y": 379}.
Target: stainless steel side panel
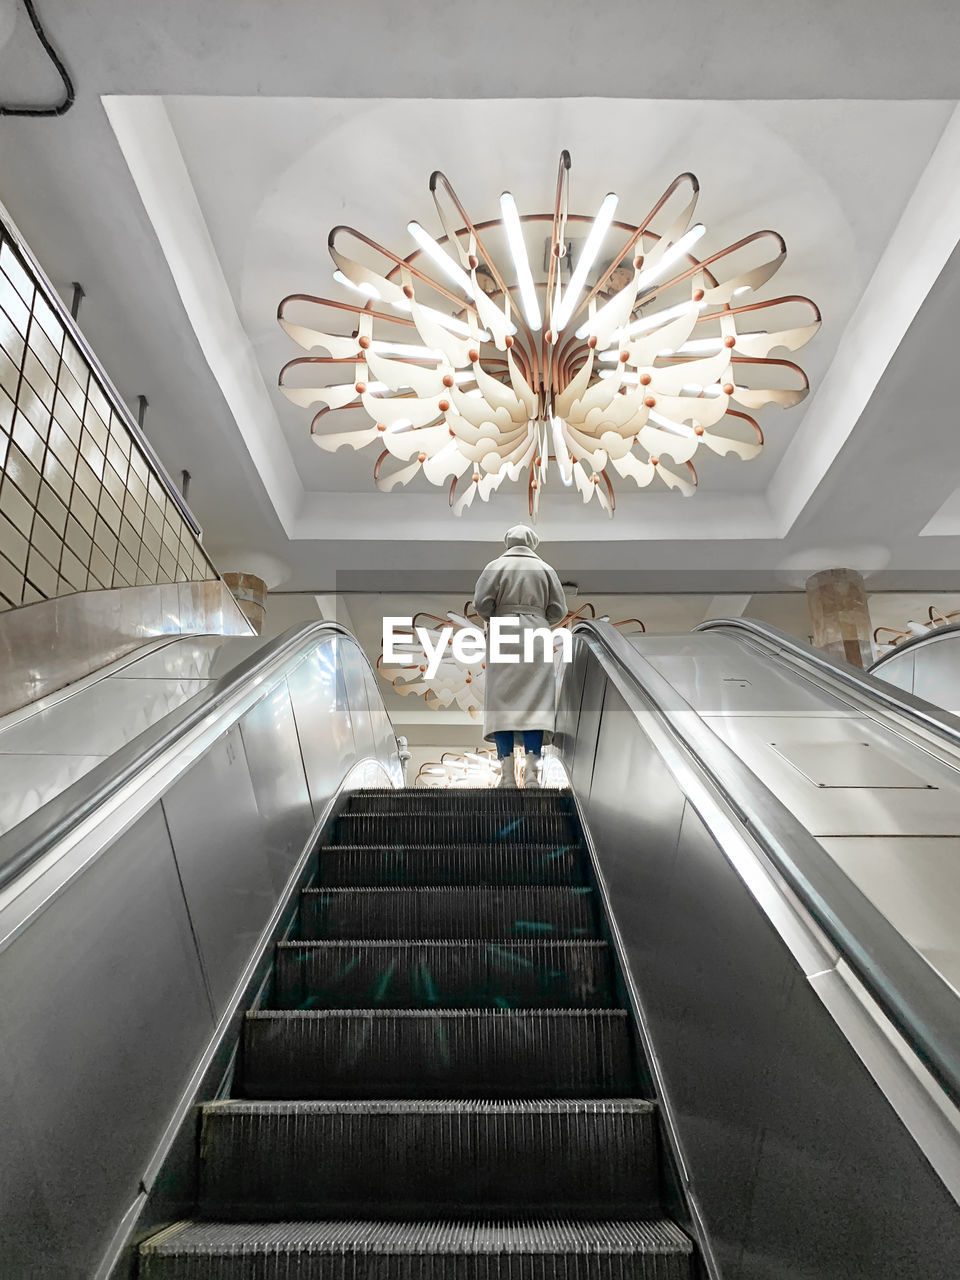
{"x": 353, "y": 675}
{"x": 323, "y": 719}
{"x": 928, "y": 666}
{"x": 272, "y": 748}
{"x": 102, "y": 1007}
{"x": 797, "y": 1164}
{"x": 125, "y": 946}
{"x": 216, "y": 831}
{"x": 898, "y": 670}
{"x": 936, "y": 673}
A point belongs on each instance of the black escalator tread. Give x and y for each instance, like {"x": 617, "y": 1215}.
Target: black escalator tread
{"x": 583, "y": 1159}
{"x": 460, "y": 864}
{"x": 404, "y": 973}
{"x": 357, "y": 1250}
{"x": 523, "y": 911}
{"x": 458, "y": 800}
{"x": 472, "y": 827}
{"x": 462, "y": 1053}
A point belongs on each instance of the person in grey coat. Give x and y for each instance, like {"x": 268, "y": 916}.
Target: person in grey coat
{"x": 520, "y": 695}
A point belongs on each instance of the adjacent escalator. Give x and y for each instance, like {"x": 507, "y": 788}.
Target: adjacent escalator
{"x": 443, "y": 1079}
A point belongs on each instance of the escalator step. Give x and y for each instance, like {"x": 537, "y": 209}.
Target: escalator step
{"x": 473, "y": 827}
{"x": 551, "y": 1250}
{"x": 463, "y": 1053}
{"x": 458, "y": 800}
{"x": 460, "y": 864}
{"x": 472, "y": 912}
{"x": 442, "y": 974}
{"x": 284, "y": 1160}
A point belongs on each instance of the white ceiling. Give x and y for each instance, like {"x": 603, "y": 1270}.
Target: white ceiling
{"x": 194, "y": 182}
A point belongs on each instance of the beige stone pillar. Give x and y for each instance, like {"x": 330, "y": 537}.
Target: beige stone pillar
{"x": 251, "y": 594}
{"x": 837, "y": 600}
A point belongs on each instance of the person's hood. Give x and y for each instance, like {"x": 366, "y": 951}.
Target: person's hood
{"x": 521, "y": 535}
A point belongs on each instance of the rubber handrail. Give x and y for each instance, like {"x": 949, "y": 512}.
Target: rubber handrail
{"x": 912, "y": 995}
{"x": 933, "y": 719}
{"x": 917, "y": 642}
{"x": 28, "y": 841}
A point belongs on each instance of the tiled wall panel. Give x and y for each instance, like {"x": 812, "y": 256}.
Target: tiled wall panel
{"x": 81, "y": 507}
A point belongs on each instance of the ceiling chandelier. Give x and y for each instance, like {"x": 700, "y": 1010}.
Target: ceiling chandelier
{"x": 458, "y": 683}
{"x": 935, "y": 618}
{"x": 479, "y": 768}
{"x": 470, "y": 364}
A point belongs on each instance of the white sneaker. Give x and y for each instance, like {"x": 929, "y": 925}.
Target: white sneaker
{"x": 531, "y": 776}
{"x": 508, "y": 775}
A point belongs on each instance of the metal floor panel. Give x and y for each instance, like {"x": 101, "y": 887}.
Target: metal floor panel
{"x": 915, "y": 882}
{"x": 846, "y": 811}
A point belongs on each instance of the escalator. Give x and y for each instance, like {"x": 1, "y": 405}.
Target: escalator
{"x": 927, "y": 666}
{"x": 265, "y": 1014}
{"x": 444, "y": 1079}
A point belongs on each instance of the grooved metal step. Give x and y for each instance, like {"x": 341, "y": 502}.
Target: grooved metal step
{"x": 458, "y": 800}
{"x": 417, "y": 912}
{"x": 393, "y": 1053}
{"x": 465, "y": 864}
{"x": 474, "y": 827}
{"x": 579, "y": 1159}
{"x": 552, "y": 1250}
{"x": 443, "y": 974}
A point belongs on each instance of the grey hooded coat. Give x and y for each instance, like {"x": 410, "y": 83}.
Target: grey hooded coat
{"x": 518, "y": 584}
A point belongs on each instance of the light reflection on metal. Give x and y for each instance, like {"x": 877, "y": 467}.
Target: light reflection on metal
{"x": 456, "y": 683}
{"x": 935, "y": 618}
{"x": 504, "y": 379}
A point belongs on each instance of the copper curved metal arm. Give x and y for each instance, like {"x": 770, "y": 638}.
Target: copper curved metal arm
{"x": 298, "y": 360}
{"x": 354, "y": 307}
{"x": 736, "y": 413}
{"x": 437, "y": 177}
{"x": 767, "y": 360}
{"x": 635, "y": 237}
{"x": 431, "y": 616}
{"x": 760, "y": 306}
{"x": 352, "y": 404}
{"x": 716, "y": 257}
{"x": 400, "y": 262}
{"x": 559, "y": 214}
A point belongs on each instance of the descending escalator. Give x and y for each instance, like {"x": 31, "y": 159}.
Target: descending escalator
{"x": 443, "y": 1078}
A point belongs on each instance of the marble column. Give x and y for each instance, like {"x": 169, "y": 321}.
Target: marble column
{"x": 837, "y": 600}
{"x": 251, "y": 595}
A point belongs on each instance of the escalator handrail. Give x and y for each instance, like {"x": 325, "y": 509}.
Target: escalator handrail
{"x": 912, "y": 995}
{"x": 27, "y": 842}
{"x": 934, "y": 720}
{"x": 916, "y": 642}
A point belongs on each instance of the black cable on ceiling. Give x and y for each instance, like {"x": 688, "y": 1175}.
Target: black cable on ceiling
{"x": 62, "y": 107}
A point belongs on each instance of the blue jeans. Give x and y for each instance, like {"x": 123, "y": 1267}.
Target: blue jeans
{"x": 532, "y": 741}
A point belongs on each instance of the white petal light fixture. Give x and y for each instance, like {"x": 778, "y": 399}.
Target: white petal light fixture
{"x": 478, "y": 768}
{"x": 622, "y": 357}
{"x": 935, "y": 618}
